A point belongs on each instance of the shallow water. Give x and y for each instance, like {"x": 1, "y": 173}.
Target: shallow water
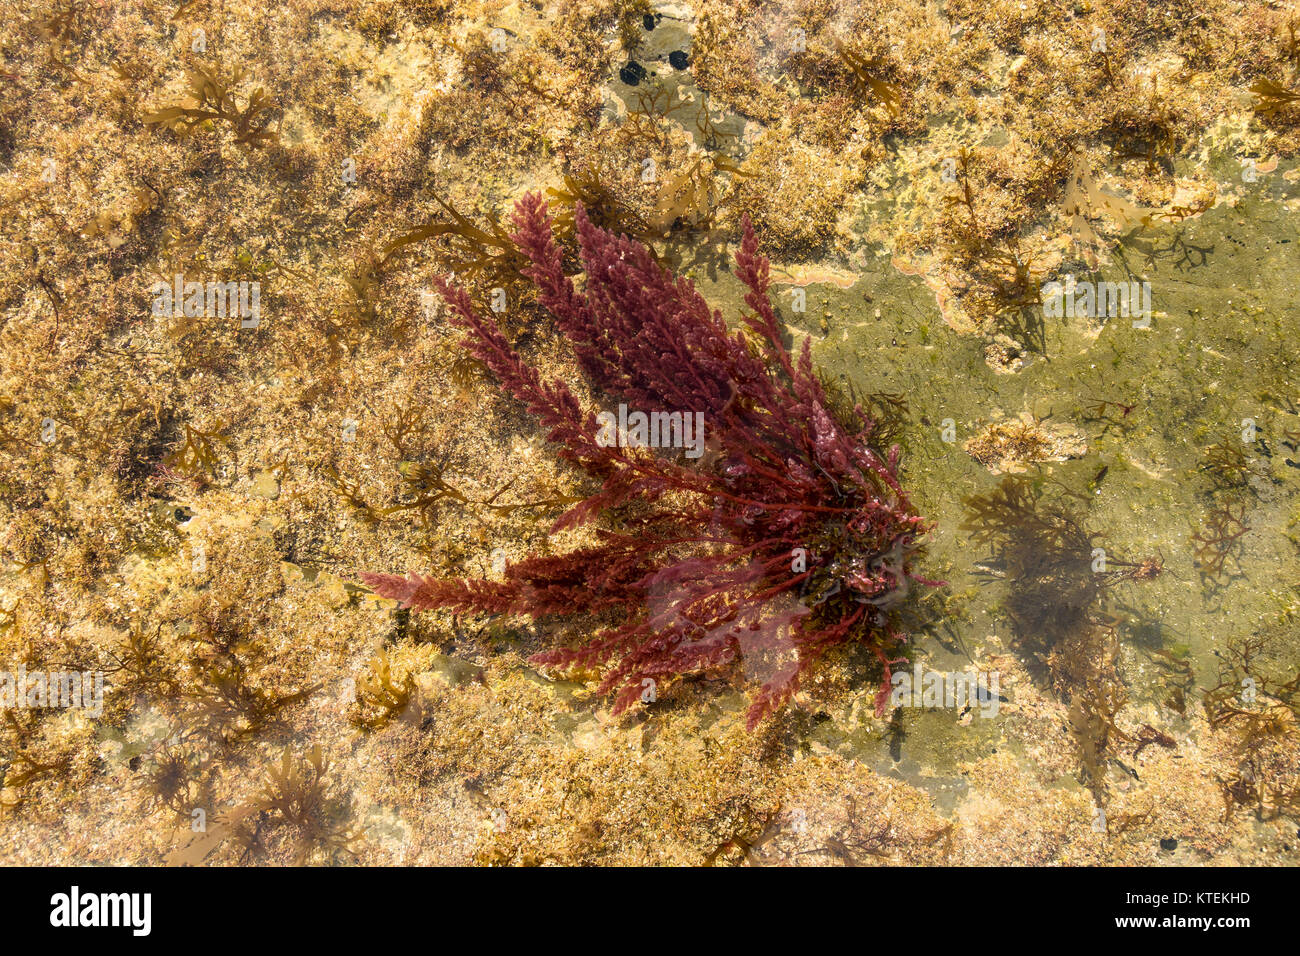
{"x": 1217, "y": 360}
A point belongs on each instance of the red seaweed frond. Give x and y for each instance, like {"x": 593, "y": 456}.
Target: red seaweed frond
{"x": 783, "y": 536}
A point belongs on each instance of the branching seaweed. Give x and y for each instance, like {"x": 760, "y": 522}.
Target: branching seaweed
{"x": 295, "y": 804}
{"x": 212, "y": 99}
{"x": 481, "y": 255}
{"x": 380, "y": 698}
{"x": 1228, "y": 466}
{"x": 1004, "y": 285}
{"x": 1083, "y": 199}
{"x": 588, "y": 188}
{"x": 1220, "y": 540}
{"x": 351, "y": 492}
{"x": 646, "y": 124}
{"x": 226, "y": 701}
{"x": 425, "y": 481}
{"x": 142, "y": 663}
{"x": 405, "y": 430}
{"x": 1255, "y": 687}
{"x": 748, "y": 830}
{"x": 296, "y": 796}
{"x": 1054, "y": 599}
{"x": 782, "y": 476}
{"x": 1272, "y": 98}
{"x": 197, "y": 459}
{"x": 867, "y": 80}
{"x": 24, "y": 765}
{"x": 176, "y": 777}
{"x": 62, "y": 24}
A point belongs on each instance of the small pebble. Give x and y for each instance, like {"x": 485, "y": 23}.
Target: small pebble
{"x": 265, "y": 485}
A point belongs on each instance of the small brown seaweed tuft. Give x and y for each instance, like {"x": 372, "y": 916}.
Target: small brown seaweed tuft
{"x": 1002, "y": 285}
{"x": 212, "y": 99}
{"x": 297, "y": 800}
{"x": 381, "y": 698}
{"x": 1220, "y": 540}
{"x": 1272, "y": 98}
{"x": 196, "y": 460}
{"x": 867, "y": 79}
